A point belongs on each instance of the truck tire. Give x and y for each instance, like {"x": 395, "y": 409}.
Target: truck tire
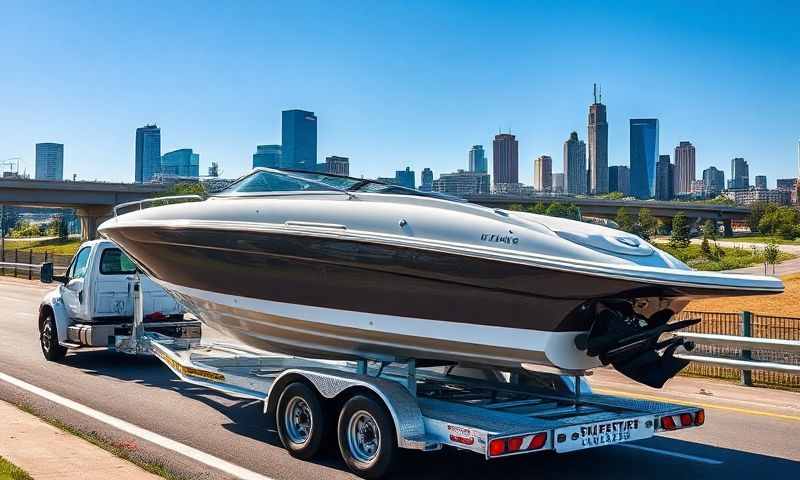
{"x": 367, "y": 439}
{"x": 48, "y": 339}
{"x": 300, "y": 420}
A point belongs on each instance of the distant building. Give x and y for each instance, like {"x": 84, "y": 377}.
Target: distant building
{"x": 740, "y": 174}
{"x": 181, "y": 163}
{"x": 148, "y": 153}
{"x": 337, "y": 165}
{"x": 787, "y": 184}
{"x": 406, "y": 178}
{"x": 49, "y": 161}
{"x": 619, "y": 179}
{"x": 713, "y": 181}
{"x": 477, "y": 160}
{"x": 558, "y": 183}
{"x": 461, "y": 183}
{"x": 750, "y": 196}
{"x": 505, "y": 153}
{"x": 698, "y": 187}
{"x": 643, "y": 156}
{"x": 543, "y": 174}
{"x": 213, "y": 169}
{"x": 299, "y": 140}
{"x": 268, "y": 156}
{"x": 574, "y": 165}
{"x": 665, "y": 178}
{"x": 761, "y": 182}
{"x": 598, "y": 147}
{"x": 427, "y": 180}
{"x": 684, "y": 167}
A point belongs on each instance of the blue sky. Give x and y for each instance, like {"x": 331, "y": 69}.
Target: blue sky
{"x": 397, "y": 83}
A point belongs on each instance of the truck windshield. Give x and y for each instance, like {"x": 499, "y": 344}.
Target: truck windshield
{"x": 114, "y": 262}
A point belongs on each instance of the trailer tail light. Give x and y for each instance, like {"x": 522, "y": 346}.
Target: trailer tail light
{"x": 497, "y": 447}
{"x": 700, "y": 417}
{"x": 514, "y": 444}
{"x": 521, "y": 443}
{"x": 683, "y": 420}
{"x": 668, "y": 423}
{"x": 686, "y": 420}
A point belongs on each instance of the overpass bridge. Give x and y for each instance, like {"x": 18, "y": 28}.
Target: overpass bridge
{"x": 598, "y": 207}
{"x": 92, "y": 201}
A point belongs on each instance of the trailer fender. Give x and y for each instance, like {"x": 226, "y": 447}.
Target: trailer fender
{"x": 330, "y": 383}
{"x": 52, "y": 302}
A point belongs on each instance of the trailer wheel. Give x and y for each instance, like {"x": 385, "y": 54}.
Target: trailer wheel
{"x": 48, "y": 338}
{"x": 300, "y": 420}
{"x": 367, "y": 439}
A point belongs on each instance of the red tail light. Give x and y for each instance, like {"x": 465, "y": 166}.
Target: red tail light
{"x": 515, "y": 443}
{"x": 538, "y": 441}
{"x": 668, "y": 423}
{"x": 700, "y": 418}
{"x": 686, "y": 420}
{"x": 497, "y": 447}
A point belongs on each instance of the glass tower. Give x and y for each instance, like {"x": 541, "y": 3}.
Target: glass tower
{"x": 148, "y": 153}
{"x": 49, "y": 161}
{"x": 644, "y": 154}
{"x": 299, "y": 140}
{"x": 267, "y": 156}
{"x": 477, "y": 160}
{"x": 181, "y": 163}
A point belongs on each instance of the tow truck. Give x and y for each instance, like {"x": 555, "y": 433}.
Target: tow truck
{"x": 369, "y": 408}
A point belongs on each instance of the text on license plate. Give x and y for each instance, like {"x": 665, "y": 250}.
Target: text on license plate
{"x": 603, "y": 433}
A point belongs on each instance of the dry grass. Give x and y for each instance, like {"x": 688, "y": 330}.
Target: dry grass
{"x": 787, "y": 304}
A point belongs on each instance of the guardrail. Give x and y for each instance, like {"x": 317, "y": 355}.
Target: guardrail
{"x": 44, "y": 270}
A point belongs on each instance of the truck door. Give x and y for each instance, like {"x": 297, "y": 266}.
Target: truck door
{"x": 112, "y": 291}
{"x": 72, "y": 293}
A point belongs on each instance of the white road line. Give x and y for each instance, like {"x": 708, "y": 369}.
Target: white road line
{"x": 132, "y": 429}
{"x": 694, "y": 458}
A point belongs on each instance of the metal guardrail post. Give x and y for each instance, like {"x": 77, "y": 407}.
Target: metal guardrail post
{"x": 16, "y": 260}
{"x": 30, "y": 261}
{"x": 746, "y": 319}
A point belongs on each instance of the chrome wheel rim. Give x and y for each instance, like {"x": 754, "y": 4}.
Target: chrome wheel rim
{"x": 46, "y": 337}
{"x": 364, "y": 437}
{"x": 299, "y": 421}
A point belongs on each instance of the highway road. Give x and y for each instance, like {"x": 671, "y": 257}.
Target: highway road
{"x": 749, "y": 433}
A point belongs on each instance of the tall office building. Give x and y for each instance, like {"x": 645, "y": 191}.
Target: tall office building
{"x": 299, "y": 140}
{"x": 713, "y": 181}
{"x": 477, "y": 160}
{"x": 761, "y": 182}
{"x": 427, "y": 180}
{"x": 574, "y": 165}
{"x": 558, "y": 183}
{"x": 49, "y": 161}
{"x": 643, "y": 156}
{"x": 740, "y": 174}
{"x": 619, "y": 179}
{"x": 787, "y": 184}
{"x": 598, "y": 147}
{"x": 181, "y": 163}
{"x": 337, "y": 165}
{"x": 505, "y": 153}
{"x": 267, "y": 156}
{"x": 148, "y": 153}
{"x": 213, "y": 169}
{"x": 665, "y": 178}
{"x": 461, "y": 183}
{"x": 684, "y": 167}
{"x": 543, "y": 174}
{"x": 405, "y": 178}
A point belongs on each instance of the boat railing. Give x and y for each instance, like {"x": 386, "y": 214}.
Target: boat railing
{"x": 168, "y": 200}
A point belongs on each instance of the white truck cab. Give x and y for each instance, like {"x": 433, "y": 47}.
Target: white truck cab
{"x": 94, "y": 302}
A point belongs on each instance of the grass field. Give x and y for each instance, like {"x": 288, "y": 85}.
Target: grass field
{"x": 54, "y": 246}
{"x": 733, "y": 258}
{"x": 786, "y": 304}
{"x": 8, "y": 471}
{"x": 755, "y": 238}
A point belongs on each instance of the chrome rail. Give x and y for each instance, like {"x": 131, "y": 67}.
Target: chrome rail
{"x": 745, "y": 361}
{"x": 140, "y": 203}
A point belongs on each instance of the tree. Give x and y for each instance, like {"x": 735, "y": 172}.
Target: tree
{"x": 705, "y": 249}
{"x": 710, "y": 230}
{"x": 539, "y": 208}
{"x": 756, "y": 212}
{"x": 771, "y": 254}
{"x": 781, "y": 221}
{"x": 680, "y": 231}
{"x": 185, "y": 188}
{"x": 648, "y": 225}
{"x": 624, "y": 220}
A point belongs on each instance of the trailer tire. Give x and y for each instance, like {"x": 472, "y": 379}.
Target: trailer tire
{"x": 367, "y": 439}
{"x": 300, "y": 420}
{"x": 48, "y": 339}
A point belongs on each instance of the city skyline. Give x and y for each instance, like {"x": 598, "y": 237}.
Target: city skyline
{"x": 350, "y": 80}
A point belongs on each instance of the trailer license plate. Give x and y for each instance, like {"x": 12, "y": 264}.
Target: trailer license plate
{"x": 598, "y": 434}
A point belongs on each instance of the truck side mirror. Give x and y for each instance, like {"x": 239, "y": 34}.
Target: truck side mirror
{"x": 46, "y": 272}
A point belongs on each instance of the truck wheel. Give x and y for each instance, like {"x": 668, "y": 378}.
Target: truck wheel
{"x": 300, "y": 420}
{"x": 48, "y": 337}
{"x": 367, "y": 438}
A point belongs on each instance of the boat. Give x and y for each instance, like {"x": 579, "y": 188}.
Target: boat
{"x": 334, "y": 267}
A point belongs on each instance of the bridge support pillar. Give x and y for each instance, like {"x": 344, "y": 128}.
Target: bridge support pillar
{"x": 728, "y": 228}
{"x": 91, "y": 218}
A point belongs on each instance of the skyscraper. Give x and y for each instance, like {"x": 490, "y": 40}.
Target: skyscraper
{"x": 299, "y": 140}
{"x": 644, "y": 153}
{"x": 684, "y": 167}
{"x": 267, "y": 156}
{"x": 713, "y": 181}
{"x": 427, "y": 180}
{"x": 558, "y": 183}
{"x": 337, "y": 165}
{"x": 740, "y": 174}
{"x": 213, "y": 169}
{"x": 49, "y": 161}
{"x": 619, "y": 179}
{"x": 405, "y": 178}
{"x": 505, "y": 153}
{"x": 598, "y": 147}
{"x": 761, "y": 182}
{"x": 477, "y": 160}
{"x": 543, "y": 174}
{"x": 665, "y": 181}
{"x": 148, "y": 153}
{"x": 181, "y": 163}
{"x": 574, "y": 165}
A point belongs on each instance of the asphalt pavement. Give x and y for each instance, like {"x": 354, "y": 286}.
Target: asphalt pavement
{"x": 748, "y": 432}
